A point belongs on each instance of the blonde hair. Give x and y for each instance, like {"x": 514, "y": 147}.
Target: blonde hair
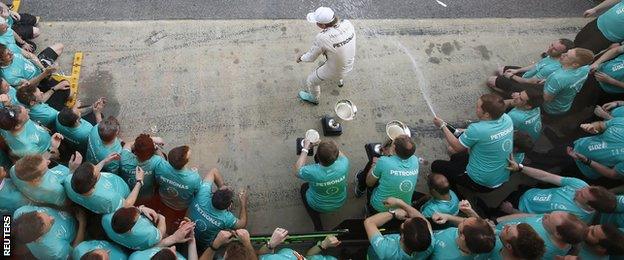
{"x": 583, "y": 56}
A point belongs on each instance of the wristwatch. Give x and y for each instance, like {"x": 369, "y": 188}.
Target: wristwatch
{"x": 320, "y": 245}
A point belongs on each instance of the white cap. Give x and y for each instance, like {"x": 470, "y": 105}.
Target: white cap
{"x": 322, "y": 15}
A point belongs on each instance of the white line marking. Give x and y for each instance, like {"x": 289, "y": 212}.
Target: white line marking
{"x": 440, "y": 2}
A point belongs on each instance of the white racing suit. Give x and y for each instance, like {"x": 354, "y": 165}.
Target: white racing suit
{"x": 337, "y": 43}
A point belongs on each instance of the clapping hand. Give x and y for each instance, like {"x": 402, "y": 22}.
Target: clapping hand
{"x": 278, "y": 237}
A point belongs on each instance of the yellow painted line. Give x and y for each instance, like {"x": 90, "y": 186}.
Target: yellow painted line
{"x": 16, "y": 5}
{"x": 73, "y": 79}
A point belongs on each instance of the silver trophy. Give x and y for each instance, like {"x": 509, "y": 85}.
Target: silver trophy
{"x": 345, "y": 110}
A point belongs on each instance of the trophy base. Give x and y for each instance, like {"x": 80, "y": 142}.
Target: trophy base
{"x": 372, "y": 150}
{"x": 328, "y": 130}
{"x": 300, "y": 146}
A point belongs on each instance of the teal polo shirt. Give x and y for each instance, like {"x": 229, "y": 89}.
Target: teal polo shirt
{"x": 328, "y": 184}
{"x": 490, "y": 143}
{"x": 396, "y": 178}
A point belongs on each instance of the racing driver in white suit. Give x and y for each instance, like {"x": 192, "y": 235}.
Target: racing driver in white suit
{"x": 337, "y": 42}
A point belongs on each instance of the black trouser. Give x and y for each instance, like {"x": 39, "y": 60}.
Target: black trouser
{"x": 455, "y": 171}
{"x": 361, "y": 182}
{"x": 314, "y": 215}
{"x": 24, "y": 27}
{"x": 558, "y": 157}
{"x": 508, "y": 86}
{"x": 58, "y": 98}
{"x": 590, "y": 37}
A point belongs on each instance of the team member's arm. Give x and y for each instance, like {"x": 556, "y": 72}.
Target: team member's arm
{"x": 98, "y": 107}
{"x": 598, "y": 167}
{"x": 466, "y": 208}
{"x": 608, "y": 55}
{"x": 450, "y": 138}
{"x": 25, "y": 46}
{"x": 372, "y": 223}
{"x": 513, "y": 216}
{"x": 82, "y": 226}
{"x": 520, "y": 70}
{"x": 595, "y": 127}
{"x": 329, "y": 241}
{"x": 215, "y": 177}
{"x": 179, "y": 236}
{"x": 138, "y": 176}
{"x": 35, "y": 60}
{"x": 242, "y": 213}
{"x": 371, "y": 180}
{"x": 63, "y": 85}
{"x": 603, "y": 77}
{"x": 55, "y": 142}
{"x": 278, "y": 236}
{"x": 534, "y": 173}
{"x": 599, "y": 8}
{"x": 303, "y": 157}
{"x": 223, "y": 237}
{"x": 442, "y": 218}
{"x": 392, "y": 202}
{"x": 46, "y": 73}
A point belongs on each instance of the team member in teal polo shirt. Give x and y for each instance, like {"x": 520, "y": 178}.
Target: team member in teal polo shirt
{"x": 12, "y": 198}
{"x": 601, "y": 242}
{"x": 511, "y": 79}
{"x": 393, "y": 175}
{"x": 443, "y": 199}
{"x": 473, "y": 238}
{"x": 599, "y": 155}
{"x": 142, "y": 153}
{"x": 22, "y": 135}
{"x": 519, "y": 241}
{"x": 100, "y": 192}
{"x": 526, "y": 113}
{"x": 49, "y": 233}
{"x": 75, "y": 129}
{"x": 573, "y": 195}
{"x": 561, "y": 86}
{"x": 24, "y": 67}
{"x": 325, "y": 189}
{"x": 32, "y": 177}
{"x": 7, "y": 36}
{"x": 170, "y": 252}
{"x": 414, "y": 241}
{"x": 103, "y": 141}
{"x": 559, "y": 230}
{"x": 99, "y": 248}
{"x": 34, "y": 99}
{"x": 490, "y": 142}
{"x": 134, "y": 228}
{"x": 24, "y": 26}
{"x": 600, "y": 33}
{"x": 177, "y": 184}
{"x": 10, "y": 92}
{"x": 209, "y": 210}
